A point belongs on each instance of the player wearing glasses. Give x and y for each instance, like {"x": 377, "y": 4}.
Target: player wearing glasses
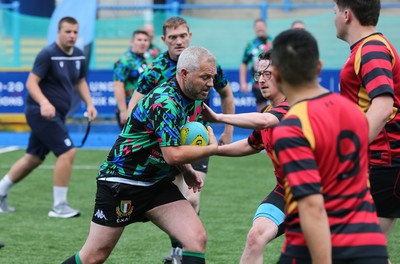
{"x": 268, "y": 219}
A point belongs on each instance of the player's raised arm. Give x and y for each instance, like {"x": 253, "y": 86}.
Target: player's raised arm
{"x": 245, "y": 120}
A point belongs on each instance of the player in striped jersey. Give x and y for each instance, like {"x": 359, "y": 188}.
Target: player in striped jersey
{"x": 371, "y": 78}
{"x": 268, "y": 219}
{"x": 322, "y": 146}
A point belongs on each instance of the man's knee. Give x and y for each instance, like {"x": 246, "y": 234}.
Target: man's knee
{"x": 196, "y": 243}
{"x": 254, "y": 237}
{"x": 68, "y": 155}
{"x": 31, "y": 161}
{"x": 259, "y": 237}
{"x": 94, "y": 257}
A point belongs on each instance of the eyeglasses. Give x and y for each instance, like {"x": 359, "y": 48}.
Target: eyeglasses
{"x": 266, "y": 74}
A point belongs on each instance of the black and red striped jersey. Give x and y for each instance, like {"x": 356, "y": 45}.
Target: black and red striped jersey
{"x": 322, "y": 146}
{"x": 373, "y": 70}
{"x": 262, "y": 139}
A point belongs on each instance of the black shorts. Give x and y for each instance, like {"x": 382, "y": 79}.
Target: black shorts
{"x": 385, "y": 190}
{"x": 291, "y": 260}
{"x": 258, "y": 95}
{"x": 118, "y": 204}
{"x": 273, "y": 208}
{"x": 47, "y": 135}
{"x": 201, "y": 165}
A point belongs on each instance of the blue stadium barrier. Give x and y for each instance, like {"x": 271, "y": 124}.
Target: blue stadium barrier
{"x": 13, "y": 92}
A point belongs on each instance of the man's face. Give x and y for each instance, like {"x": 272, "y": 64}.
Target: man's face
{"x": 177, "y": 39}
{"x": 140, "y": 43}
{"x": 266, "y": 81}
{"x": 340, "y": 22}
{"x": 198, "y": 83}
{"x": 67, "y": 35}
{"x": 298, "y": 25}
{"x": 260, "y": 29}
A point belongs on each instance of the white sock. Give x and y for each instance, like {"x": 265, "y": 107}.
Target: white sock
{"x": 59, "y": 195}
{"x": 5, "y": 185}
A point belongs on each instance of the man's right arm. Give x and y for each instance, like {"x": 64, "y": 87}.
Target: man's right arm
{"x": 47, "y": 110}
{"x": 236, "y": 149}
{"x": 243, "y": 69}
{"x": 119, "y": 94}
{"x": 243, "y": 78}
{"x": 184, "y": 154}
{"x": 145, "y": 84}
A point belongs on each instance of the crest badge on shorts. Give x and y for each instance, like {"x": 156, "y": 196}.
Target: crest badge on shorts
{"x": 125, "y": 208}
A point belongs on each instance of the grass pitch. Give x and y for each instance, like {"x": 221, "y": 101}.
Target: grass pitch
{"x": 234, "y": 188}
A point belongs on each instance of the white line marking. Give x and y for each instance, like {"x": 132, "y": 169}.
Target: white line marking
{"x": 8, "y": 149}
{"x": 51, "y": 167}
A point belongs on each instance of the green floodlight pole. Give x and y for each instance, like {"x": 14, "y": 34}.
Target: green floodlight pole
{"x": 16, "y": 34}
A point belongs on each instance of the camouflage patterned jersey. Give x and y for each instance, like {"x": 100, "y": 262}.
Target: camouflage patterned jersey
{"x": 250, "y": 56}
{"x": 136, "y": 157}
{"x": 163, "y": 68}
{"x": 127, "y": 70}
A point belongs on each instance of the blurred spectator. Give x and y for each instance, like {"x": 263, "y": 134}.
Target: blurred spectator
{"x": 127, "y": 70}
{"x": 253, "y": 49}
{"x": 58, "y": 70}
{"x": 298, "y": 24}
{"x": 153, "y": 50}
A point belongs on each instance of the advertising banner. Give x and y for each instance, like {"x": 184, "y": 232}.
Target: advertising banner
{"x": 13, "y": 92}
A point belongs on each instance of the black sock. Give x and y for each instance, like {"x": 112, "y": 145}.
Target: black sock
{"x": 175, "y": 243}
{"x": 193, "y": 257}
{"x": 73, "y": 260}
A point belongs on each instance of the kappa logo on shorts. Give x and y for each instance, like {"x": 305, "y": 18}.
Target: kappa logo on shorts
{"x": 124, "y": 211}
{"x": 100, "y": 214}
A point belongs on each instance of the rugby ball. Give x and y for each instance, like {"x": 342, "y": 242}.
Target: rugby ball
{"x": 194, "y": 133}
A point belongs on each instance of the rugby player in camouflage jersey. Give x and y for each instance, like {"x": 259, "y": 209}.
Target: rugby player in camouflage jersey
{"x": 134, "y": 184}
{"x": 127, "y": 70}
{"x": 176, "y": 35}
{"x": 261, "y": 43}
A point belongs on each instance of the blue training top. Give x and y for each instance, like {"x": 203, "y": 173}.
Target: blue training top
{"x": 59, "y": 75}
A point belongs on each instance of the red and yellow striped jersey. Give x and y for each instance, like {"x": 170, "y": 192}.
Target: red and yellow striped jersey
{"x": 322, "y": 146}
{"x": 262, "y": 139}
{"x": 373, "y": 70}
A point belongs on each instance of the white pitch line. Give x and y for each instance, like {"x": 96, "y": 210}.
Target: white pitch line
{"x": 8, "y": 149}
{"x": 51, "y": 167}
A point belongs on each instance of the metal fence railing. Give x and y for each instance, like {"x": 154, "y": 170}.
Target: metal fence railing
{"x": 171, "y": 8}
